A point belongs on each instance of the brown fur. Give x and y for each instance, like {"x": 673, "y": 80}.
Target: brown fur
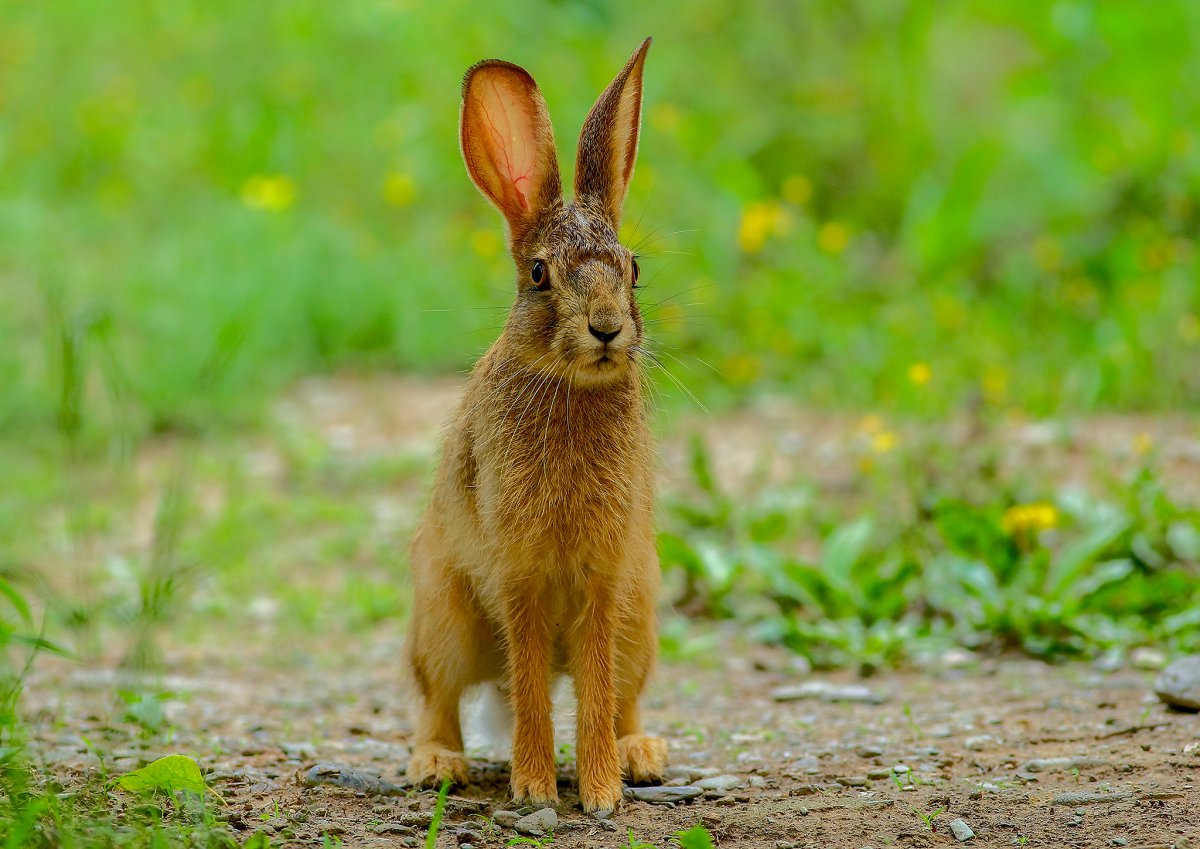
{"x": 536, "y": 556}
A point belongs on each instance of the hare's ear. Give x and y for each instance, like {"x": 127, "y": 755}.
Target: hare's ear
{"x": 608, "y": 143}
{"x": 507, "y": 141}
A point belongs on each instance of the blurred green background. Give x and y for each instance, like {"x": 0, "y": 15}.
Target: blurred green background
{"x": 904, "y": 206}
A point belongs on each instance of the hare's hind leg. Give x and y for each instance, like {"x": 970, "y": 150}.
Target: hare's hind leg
{"x": 643, "y": 757}
{"x": 448, "y": 641}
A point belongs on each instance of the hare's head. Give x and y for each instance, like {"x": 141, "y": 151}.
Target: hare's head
{"x": 575, "y": 313}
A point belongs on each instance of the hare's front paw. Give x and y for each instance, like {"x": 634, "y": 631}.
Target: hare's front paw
{"x": 540, "y": 790}
{"x": 643, "y": 758}
{"x": 429, "y": 766}
{"x": 599, "y": 795}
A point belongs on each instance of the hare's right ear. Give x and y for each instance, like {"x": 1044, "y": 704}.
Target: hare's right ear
{"x": 508, "y": 143}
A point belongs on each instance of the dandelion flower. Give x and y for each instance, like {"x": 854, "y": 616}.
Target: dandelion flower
{"x": 1026, "y": 518}
{"x": 273, "y": 193}
{"x": 833, "y": 237}
{"x": 919, "y": 374}
{"x": 797, "y": 189}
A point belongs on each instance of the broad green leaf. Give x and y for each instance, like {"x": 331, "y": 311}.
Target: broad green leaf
{"x": 696, "y": 837}
{"x": 165, "y": 775}
{"x": 1071, "y": 562}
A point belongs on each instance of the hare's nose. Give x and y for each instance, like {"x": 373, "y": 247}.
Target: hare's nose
{"x": 603, "y": 335}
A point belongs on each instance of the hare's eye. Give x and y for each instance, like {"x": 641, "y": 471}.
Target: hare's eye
{"x": 637, "y": 272}
{"x": 540, "y": 276}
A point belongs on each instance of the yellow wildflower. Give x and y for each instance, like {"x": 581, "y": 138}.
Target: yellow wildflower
{"x": 872, "y": 423}
{"x": 1143, "y": 443}
{"x": 1033, "y": 517}
{"x": 797, "y": 189}
{"x": 273, "y": 193}
{"x": 833, "y": 237}
{"x": 919, "y": 374}
{"x": 399, "y": 189}
{"x": 760, "y": 220}
{"x": 884, "y": 441}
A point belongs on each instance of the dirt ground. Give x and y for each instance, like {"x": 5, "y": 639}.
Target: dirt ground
{"x": 964, "y": 738}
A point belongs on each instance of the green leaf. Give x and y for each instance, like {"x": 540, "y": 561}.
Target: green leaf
{"x": 696, "y": 837}
{"x": 1071, "y": 562}
{"x": 258, "y": 840}
{"x": 165, "y": 775}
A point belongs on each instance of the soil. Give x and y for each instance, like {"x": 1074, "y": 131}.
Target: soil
{"x": 952, "y": 740}
{"x": 814, "y": 773}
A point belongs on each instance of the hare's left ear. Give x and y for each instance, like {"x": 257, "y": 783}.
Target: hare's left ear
{"x": 608, "y": 143}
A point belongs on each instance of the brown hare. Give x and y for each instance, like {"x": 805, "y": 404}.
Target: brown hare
{"x": 536, "y": 556}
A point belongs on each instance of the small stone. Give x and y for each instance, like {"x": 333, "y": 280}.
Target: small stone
{"x": 961, "y": 831}
{"x": 1179, "y": 684}
{"x": 537, "y": 823}
{"x": 784, "y": 844}
{"x": 1061, "y": 764}
{"x": 852, "y": 781}
{"x": 869, "y": 751}
{"x": 690, "y": 773}
{"x": 663, "y": 795}
{"x": 1147, "y": 658}
{"x": 979, "y": 742}
{"x": 827, "y": 692}
{"x": 602, "y": 814}
{"x": 1118, "y": 841}
{"x": 876, "y": 774}
{"x": 340, "y": 775}
{"x": 1090, "y": 797}
{"x": 505, "y": 819}
{"x": 466, "y": 836}
{"x": 900, "y": 769}
{"x": 1109, "y": 661}
{"x": 719, "y": 782}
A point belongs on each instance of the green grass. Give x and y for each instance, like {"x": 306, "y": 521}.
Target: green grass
{"x": 205, "y": 199}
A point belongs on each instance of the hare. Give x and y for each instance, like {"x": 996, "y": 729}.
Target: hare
{"x": 536, "y": 555}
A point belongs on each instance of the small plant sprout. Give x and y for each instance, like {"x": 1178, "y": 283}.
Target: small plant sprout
{"x": 927, "y": 820}
{"x": 634, "y": 843}
{"x": 439, "y": 810}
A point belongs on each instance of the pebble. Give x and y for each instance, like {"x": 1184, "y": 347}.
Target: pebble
{"x": 663, "y": 795}
{"x": 299, "y": 751}
{"x": 900, "y": 769}
{"x": 869, "y": 751}
{"x": 1061, "y": 764}
{"x": 1147, "y": 658}
{"x": 961, "y": 831}
{"x": 719, "y": 782}
{"x": 1089, "y": 797}
{"x": 690, "y": 773}
{"x": 507, "y": 819}
{"x": 877, "y": 774}
{"x": 537, "y": 823}
{"x": 1179, "y": 684}
{"x": 979, "y": 742}
{"x": 603, "y": 814}
{"x": 341, "y": 775}
{"x": 827, "y": 692}
{"x": 852, "y": 781}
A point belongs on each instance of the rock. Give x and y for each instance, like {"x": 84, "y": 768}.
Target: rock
{"x": 979, "y": 742}
{"x": 900, "y": 769}
{"x": 340, "y": 775}
{"x": 961, "y": 831}
{"x": 876, "y": 774}
{"x": 663, "y": 795}
{"x": 466, "y": 836}
{"x": 1061, "y": 764}
{"x": 827, "y": 692}
{"x": 1110, "y": 661}
{"x": 758, "y": 782}
{"x": 869, "y": 751}
{"x": 417, "y": 819}
{"x": 807, "y": 765}
{"x": 505, "y": 819}
{"x": 1147, "y": 658}
{"x": 1089, "y": 797}
{"x": 603, "y": 814}
{"x": 689, "y": 773}
{"x": 723, "y": 783}
{"x": 537, "y": 823}
{"x": 852, "y": 781}
{"x": 1179, "y": 684}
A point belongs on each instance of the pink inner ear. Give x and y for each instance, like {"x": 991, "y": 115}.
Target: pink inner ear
{"x": 510, "y": 138}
